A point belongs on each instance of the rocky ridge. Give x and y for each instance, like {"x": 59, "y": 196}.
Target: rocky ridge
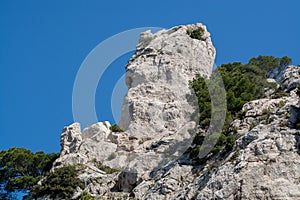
{"x": 156, "y": 115}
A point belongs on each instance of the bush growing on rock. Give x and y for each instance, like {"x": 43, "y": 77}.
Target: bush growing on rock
{"x": 223, "y": 142}
{"x": 196, "y": 34}
{"x": 86, "y": 196}
{"x": 116, "y": 128}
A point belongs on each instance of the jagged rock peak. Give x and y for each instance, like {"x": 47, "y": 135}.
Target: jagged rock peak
{"x": 158, "y": 74}
{"x": 156, "y": 114}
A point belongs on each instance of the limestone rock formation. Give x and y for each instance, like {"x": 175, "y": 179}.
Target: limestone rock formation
{"x": 157, "y": 110}
{"x": 150, "y": 159}
{"x": 290, "y": 78}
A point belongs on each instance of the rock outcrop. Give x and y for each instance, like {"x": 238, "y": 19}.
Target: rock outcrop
{"x": 290, "y": 78}
{"x": 264, "y": 162}
{"x": 150, "y": 159}
{"x": 156, "y": 114}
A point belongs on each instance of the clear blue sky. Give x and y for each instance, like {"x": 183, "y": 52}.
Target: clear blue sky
{"x": 43, "y": 43}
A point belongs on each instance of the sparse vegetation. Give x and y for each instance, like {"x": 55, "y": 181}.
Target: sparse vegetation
{"x": 235, "y": 155}
{"x": 196, "y": 34}
{"x": 280, "y": 95}
{"x": 253, "y": 124}
{"x": 223, "y": 142}
{"x": 86, "y": 196}
{"x": 104, "y": 168}
{"x": 281, "y": 104}
{"x": 116, "y": 128}
{"x": 195, "y": 195}
{"x": 287, "y": 115}
{"x": 283, "y": 124}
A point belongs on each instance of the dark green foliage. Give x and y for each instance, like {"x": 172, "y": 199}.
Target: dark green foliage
{"x": 223, "y": 143}
{"x": 280, "y": 94}
{"x": 86, "y": 196}
{"x": 116, "y": 128}
{"x": 58, "y": 184}
{"x": 21, "y": 182}
{"x": 195, "y": 151}
{"x": 198, "y": 139}
{"x": 20, "y": 169}
{"x": 243, "y": 83}
{"x": 273, "y": 66}
{"x": 196, "y": 34}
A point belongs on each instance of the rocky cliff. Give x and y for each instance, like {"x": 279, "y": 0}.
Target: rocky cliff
{"x": 150, "y": 159}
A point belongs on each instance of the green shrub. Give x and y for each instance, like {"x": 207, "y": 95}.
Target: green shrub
{"x": 283, "y": 124}
{"x": 253, "y": 124}
{"x": 281, "y": 104}
{"x": 196, "y": 34}
{"x": 230, "y": 141}
{"x": 58, "y": 184}
{"x": 198, "y": 139}
{"x": 116, "y": 128}
{"x": 195, "y": 151}
{"x": 188, "y": 31}
{"x": 104, "y": 168}
{"x": 265, "y": 111}
{"x": 280, "y": 95}
{"x": 222, "y": 142}
{"x": 235, "y": 155}
{"x": 86, "y": 196}
{"x": 287, "y": 115}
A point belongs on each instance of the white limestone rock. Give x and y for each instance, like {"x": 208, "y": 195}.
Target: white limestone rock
{"x": 290, "y": 78}
{"x": 265, "y": 162}
{"x": 70, "y": 139}
{"x": 158, "y": 106}
{"x": 156, "y": 112}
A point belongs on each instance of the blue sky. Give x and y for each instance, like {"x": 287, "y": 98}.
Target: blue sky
{"x": 43, "y": 43}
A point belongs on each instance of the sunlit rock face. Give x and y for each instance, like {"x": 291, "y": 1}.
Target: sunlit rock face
{"x": 145, "y": 161}
{"x": 157, "y": 77}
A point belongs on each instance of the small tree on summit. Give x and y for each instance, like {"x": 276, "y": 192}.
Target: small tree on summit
{"x": 196, "y": 34}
